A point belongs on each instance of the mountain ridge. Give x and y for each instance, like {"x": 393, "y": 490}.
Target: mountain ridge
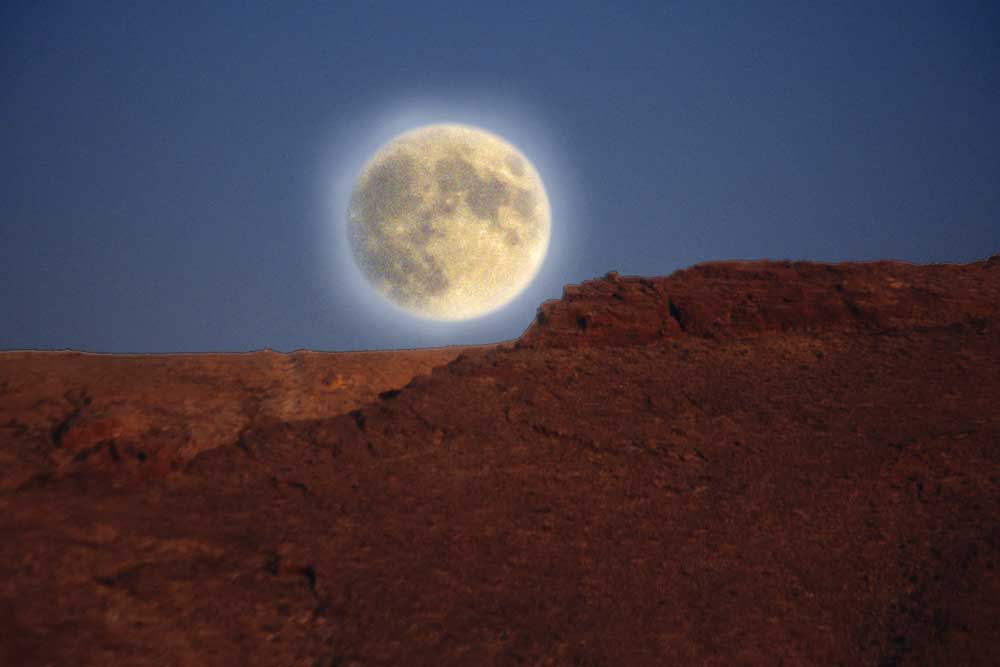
{"x": 733, "y": 298}
{"x": 784, "y": 478}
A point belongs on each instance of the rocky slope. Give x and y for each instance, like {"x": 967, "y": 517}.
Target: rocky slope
{"x": 741, "y": 463}
{"x": 64, "y": 411}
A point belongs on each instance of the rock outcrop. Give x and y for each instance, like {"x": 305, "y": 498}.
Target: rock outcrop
{"x": 61, "y": 412}
{"x": 734, "y": 299}
{"x": 741, "y": 463}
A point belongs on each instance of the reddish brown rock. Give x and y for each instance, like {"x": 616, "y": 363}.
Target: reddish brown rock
{"x": 809, "y": 476}
{"x": 63, "y": 411}
{"x": 733, "y": 299}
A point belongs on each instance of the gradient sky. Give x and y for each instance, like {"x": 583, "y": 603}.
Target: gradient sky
{"x": 171, "y": 174}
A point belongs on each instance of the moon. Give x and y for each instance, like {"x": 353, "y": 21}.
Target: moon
{"x": 449, "y": 222}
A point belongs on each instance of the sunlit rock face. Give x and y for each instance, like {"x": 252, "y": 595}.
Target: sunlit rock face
{"x": 449, "y": 222}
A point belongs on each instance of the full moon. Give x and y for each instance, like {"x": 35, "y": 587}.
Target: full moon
{"x": 449, "y": 222}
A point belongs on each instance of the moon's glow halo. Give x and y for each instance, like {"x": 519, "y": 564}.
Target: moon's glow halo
{"x": 449, "y": 221}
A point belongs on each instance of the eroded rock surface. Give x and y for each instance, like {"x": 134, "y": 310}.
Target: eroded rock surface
{"x": 734, "y": 299}
{"x": 148, "y": 414}
{"x": 795, "y": 464}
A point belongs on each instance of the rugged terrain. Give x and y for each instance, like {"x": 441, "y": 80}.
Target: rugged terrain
{"x": 741, "y": 463}
{"x": 155, "y": 412}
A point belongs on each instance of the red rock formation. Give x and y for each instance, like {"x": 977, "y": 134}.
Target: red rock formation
{"x": 733, "y": 299}
{"x": 796, "y": 463}
{"x": 66, "y": 411}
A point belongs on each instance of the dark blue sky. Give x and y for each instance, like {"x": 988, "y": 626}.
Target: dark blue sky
{"x": 169, "y": 171}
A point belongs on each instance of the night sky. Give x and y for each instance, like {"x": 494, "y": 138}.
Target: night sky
{"x": 172, "y": 175}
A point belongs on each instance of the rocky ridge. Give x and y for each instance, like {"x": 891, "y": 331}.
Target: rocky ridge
{"x": 61, "y": 412}
{"x": 747, "y": 463}
{"x": 725, "y": 300}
